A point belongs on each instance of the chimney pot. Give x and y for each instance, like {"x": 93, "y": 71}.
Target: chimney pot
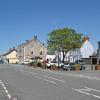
{"x": 35, "y": 37}
{"x": 85, "y": 38}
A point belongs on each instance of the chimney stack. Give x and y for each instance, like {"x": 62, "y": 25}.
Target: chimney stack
{"x": 35, "y": 37}
{"x": 27, "y": 40}
{"x": 85, "y": 38}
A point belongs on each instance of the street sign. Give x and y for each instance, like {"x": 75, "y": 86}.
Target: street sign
{"x": 94, "y": 61}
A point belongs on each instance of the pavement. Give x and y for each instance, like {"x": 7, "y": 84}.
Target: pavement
{"x": 19, "y": 82}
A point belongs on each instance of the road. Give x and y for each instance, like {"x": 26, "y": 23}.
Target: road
{"x": 18, "y": 82}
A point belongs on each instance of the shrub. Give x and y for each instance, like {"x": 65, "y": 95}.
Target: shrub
{"x": 31, "y": 64}
{"x": 39, "y": 64}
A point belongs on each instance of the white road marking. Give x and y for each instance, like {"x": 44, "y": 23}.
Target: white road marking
{"x": 93, "y": 74}
{"x": 5, "y": 89}
{"x": 53, "y": 78}
{"x": 66, "y": 74}
{"x": 74, "y": 75}
{"x": 88, "y": 89}
{"x": 45, "y": 79}
{"x": 14, "y": 98}
{"x": 48, "y": 80}
{"x": 92, "y": 89}
{"x": 85, "y": 90}
{"x": 32, "y": 72}
{"x": 92, "y": 78}
{"x": 3, "y": 85}
{"x": 28, "y": 72}
{"x": 9, "y": 96}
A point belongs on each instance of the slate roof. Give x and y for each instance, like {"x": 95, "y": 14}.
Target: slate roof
{"x": 11, "y": 50}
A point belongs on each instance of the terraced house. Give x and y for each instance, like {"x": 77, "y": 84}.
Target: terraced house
{"x": 30, "y": 50}
{"x": 10, "y": 56}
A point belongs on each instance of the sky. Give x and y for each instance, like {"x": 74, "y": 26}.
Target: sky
{"x": 20, "y": 20}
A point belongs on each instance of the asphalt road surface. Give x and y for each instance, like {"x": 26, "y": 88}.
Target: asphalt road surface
{"x": 18, "y": 82}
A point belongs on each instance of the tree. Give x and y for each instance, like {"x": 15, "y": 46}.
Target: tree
{"x": 65, "y": 40}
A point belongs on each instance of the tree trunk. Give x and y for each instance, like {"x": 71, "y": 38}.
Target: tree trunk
{"x": 64, "y": 55}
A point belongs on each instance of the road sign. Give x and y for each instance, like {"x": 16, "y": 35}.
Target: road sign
{"x": 94, "y": 60}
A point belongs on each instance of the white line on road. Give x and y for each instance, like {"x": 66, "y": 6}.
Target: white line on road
{"x": 5, "y": 89}
{"x": 32, "y": 72}
{"x": 3, "y": 85}
{"x": 45, "y": 79}
{"x": 74, "y": 75}
{"x": 53, "y": 78}
{"x": 88, "y": 90}
{"x": 28, "y": 72}
{"x": 92, "y": 89}
{"x": 14, "y": 98}
{"x": 9, "y": 96}
{"x": 0, "y": 81}
{"x": 48, "y": 80}
{"x": 80, "y": 90}
{"x": 92, "y": 74}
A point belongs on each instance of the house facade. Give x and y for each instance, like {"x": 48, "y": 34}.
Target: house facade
{"x": 10, "y": 57}
{"x": 71, "y": 56}
{"x": 84, "y": 52}
{"x": 20, "y": 53}
{"x": 30, "y": 50}
{"x": 87, "y": 48}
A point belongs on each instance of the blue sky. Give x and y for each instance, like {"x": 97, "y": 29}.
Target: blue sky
{"x": 22, "y": 19}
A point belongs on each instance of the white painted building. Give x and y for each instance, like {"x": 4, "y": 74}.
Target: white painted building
{"x": 50, "y": 58}
{"x": 87, "y": 48}
{"x": 71, "y": 56}
{"x": 85, "y": 51}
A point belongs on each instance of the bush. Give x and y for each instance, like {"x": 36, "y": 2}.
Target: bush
{"x": 39, "y": 64}
{"x": 31, "y": 64}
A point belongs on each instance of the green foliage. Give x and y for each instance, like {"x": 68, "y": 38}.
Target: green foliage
{"x": 31, "y": 64}
{"x": 65, "y": 39}
{"x": 39, "y": 64}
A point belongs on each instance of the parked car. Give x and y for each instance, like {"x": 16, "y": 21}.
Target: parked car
{"x": 61, "y": 65}
{"x": 48, "y": 65}
{"x": 72, "y": 66}
{"x": 26, "y": 62}
{"x": 82, "y": 67}
{"x": 1, "y": 62}
{"x": 66, "y": 67}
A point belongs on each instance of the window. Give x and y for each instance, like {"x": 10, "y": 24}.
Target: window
{"x": 94, "y": 61}
{"x": 41, "y": 53}
{"x": 32, "y": 46}
{"x": 31, "y": 52}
